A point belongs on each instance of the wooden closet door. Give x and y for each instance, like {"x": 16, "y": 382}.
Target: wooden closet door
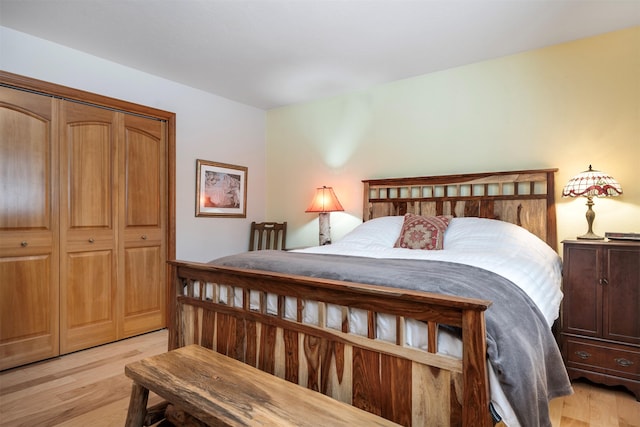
{"x": 28, "y": 228}
{"x": 88, "y": 224}
{"x": 143, "y": 190}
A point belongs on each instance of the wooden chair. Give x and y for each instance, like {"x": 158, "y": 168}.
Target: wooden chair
{"x": 268, "y": 235}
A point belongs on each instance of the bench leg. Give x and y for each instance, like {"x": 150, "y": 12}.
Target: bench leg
{"x": 137, "y": 406}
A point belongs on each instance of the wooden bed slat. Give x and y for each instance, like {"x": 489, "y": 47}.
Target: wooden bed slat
{"x": 367, "y": 389}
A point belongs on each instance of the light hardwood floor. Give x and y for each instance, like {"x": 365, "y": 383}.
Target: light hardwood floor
{"x": 89, "y": 388}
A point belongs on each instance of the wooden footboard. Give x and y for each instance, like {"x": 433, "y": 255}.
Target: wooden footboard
{"x": 286, "y": 325}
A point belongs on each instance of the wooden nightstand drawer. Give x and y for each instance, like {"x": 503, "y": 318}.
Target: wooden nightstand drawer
{"x": 609, "y": 358}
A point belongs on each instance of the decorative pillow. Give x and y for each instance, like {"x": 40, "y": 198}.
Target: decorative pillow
{"x": 422, "y": 232}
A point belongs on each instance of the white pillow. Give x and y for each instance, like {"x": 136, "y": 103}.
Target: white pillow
{"x": 383, "y": 231}
{"x": 489, "y": 234}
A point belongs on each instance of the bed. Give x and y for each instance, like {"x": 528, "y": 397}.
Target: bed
{"x": 457, "y": 336}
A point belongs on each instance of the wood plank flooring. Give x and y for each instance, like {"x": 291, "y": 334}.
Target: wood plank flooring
{"x": 89, "y": 388}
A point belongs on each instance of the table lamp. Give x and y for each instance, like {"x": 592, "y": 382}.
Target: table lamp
{"x": 324, "y": 201}
{"x": 591, "y": 183}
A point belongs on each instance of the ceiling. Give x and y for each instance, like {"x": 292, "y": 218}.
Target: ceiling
{"x": 271, "y": 53}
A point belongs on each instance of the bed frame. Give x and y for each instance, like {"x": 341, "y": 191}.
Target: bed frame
{"x": 525, "y": 198}
{"x": 410, "y": 386}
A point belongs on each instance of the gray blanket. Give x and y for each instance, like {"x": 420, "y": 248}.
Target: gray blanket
{"x": 520, "y": 345}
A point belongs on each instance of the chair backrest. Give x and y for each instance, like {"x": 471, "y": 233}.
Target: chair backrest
{"x": 268, "y": 235}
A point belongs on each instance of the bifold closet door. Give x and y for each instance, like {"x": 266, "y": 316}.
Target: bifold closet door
{"x": 113, "y": 225}
{"x": 88, "y": 226}
{"x": 28, "y": 228}
{"x": 84, "y": 221}
{"x": 143, "y": 204}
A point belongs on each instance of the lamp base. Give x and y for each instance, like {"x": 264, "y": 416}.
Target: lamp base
{"x": 590, "y": 236}
{"x": 591, "y": 215}
{"x": 325, "y": 228}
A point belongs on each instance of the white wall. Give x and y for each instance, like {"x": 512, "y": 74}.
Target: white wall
{"x": 564, "y": 106}
{"x": 207, "y": 127}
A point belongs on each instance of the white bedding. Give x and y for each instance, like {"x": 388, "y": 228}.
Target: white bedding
{"x": 498, "y": 246}
{"x": 503, "y": 248}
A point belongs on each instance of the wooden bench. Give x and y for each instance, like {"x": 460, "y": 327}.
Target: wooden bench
{"x": 222, "y": 391}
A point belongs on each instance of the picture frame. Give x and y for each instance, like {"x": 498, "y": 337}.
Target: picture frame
{"x": 221, "y": 189}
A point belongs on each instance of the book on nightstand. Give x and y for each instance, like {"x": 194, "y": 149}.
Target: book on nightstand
{"x": 622, "y": 236}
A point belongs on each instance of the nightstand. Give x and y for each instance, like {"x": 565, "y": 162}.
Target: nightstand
{"x": 600, "y": 320}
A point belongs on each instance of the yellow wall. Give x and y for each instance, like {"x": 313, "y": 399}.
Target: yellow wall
{"x": 564, "y": 106}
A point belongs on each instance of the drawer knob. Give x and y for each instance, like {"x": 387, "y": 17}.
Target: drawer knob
{"x": 623, "y": 362}
{"x": 24, "y": 243}
{"x": 143, "y": 237}
{"x": 583, "y": 354}
{"x": 91, "y": 240}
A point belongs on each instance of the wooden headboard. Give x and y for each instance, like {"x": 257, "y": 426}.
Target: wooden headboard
{"x": 525, "y": 198}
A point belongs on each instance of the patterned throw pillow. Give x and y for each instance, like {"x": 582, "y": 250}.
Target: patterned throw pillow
{"x": 422, "y": 232}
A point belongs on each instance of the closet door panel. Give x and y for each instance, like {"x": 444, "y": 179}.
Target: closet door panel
{"x": 90, "y": 179}
{"x": 29, "y": 254}
{"x": 25, "y": 167}
{"x": 144, "y": 296}
{"x": 17, "y": 303}
{"x": 143, "y": 249}
{"x": 143, "y": 162}
{"x": 89, "y": 140}
{"x": 28, "y": 310}
{"x": 90, "y": 295}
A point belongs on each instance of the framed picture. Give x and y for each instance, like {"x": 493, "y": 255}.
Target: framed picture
{"x": 221, "y": 189}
